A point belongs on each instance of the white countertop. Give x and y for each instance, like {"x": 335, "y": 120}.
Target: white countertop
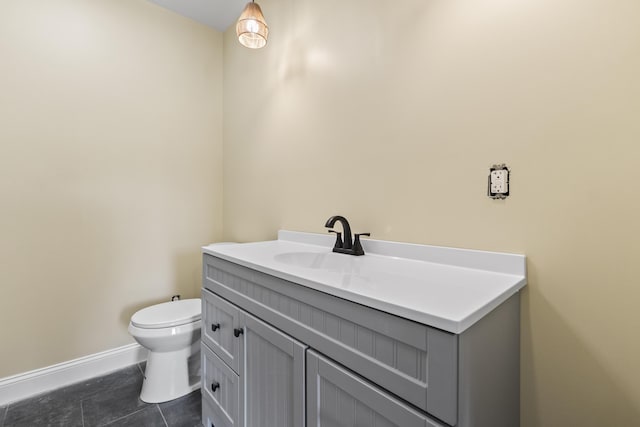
{"x": 446, "y": 288}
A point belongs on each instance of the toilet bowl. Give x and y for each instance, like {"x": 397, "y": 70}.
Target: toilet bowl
{"x": 171, "y": 333}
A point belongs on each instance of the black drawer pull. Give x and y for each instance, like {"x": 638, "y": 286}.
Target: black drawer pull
{"x": 215, "y": 386}
{"x": 215, "y": 326}
{"x": 237, "y": 332}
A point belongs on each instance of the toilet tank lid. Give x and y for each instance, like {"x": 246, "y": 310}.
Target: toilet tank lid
{"x": 168, "y": 314}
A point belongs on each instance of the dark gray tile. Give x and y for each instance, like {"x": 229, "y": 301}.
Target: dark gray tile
{"x": 129, "y": 376}
{"x": 113, "y": 403}
{"x": 147, "y": 417}
{"x": 62, "y": 407}
{"x": 44, "y": 410}
{"x": 183, "y": 412}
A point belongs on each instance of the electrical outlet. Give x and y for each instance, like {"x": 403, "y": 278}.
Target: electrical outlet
{"x": 498, "y": 182}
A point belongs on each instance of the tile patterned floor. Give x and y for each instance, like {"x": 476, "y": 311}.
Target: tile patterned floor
{"x": 112, "y": 400}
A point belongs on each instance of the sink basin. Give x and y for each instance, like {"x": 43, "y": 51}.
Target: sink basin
{"x": 329, "y": 261}
{"x": 367, "y": 273}
{"x": 347, "y": 271}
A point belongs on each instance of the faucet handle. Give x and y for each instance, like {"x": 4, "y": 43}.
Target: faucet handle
{"x": 338, "y": 243}
{"x": 357, "y": 246}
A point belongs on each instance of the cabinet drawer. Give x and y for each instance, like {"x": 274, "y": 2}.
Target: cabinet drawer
{"x": 219, "y": 320}
{"x": 338, "y": 398}
{"x": 414, "y": 361}
{"x": 220, "y": 391}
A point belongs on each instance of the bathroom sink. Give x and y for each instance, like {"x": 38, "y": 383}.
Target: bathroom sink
{"x": 447, "y": 288}
{"x": 371, "y": 268}
{"x": 312, "y": 260}
{"x": 328, "y": 261}
{"x": 374, "y": 274}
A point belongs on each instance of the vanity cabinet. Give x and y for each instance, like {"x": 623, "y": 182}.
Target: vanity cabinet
{"x": 316, "y": 360}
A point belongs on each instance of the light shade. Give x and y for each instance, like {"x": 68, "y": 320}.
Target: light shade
{"x": 251, "y": 28}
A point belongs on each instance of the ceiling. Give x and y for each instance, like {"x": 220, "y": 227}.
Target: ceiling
{"x": 218, "y": 14}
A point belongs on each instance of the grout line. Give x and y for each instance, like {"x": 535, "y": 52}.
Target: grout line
{"x": 6, "y": 414}
{"x": 140, "y": 369}
{"x": 162, "y": 415}
{"x": 125, "y": 416}
{"x": 81, "y": 413}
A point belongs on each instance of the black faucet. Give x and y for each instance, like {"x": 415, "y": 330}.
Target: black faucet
{"x": 347, "y": 246}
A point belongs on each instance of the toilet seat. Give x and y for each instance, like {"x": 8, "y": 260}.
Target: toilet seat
{"x": 168, "y": 314}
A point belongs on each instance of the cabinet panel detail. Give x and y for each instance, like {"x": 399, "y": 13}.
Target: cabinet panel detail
{"x": 220, "y": 391}
{"x": 209, "y": 417}
{"x": 273, "y": 376}
{"x": 339, "y": 398}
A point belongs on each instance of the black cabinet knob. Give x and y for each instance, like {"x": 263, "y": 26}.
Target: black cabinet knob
{"x": 215, "y": 386}
{"x": 237, "y": 332}
{"x": 215, "y": 326}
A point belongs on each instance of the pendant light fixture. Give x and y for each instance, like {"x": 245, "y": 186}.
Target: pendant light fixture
{"x": 251, "y": 28}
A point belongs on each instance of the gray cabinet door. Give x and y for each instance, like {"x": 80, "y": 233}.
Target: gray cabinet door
{"x": 219, "y": 320}
{"x": 221, "y": 397}
{"x": 338, "y": 398}
{"x": 272, "y": 376}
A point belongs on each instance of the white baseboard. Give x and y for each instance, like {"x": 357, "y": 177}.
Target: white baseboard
{"x": 31, "y": 383}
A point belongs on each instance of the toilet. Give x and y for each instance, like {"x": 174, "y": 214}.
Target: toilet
{"x": 171, "y": 333}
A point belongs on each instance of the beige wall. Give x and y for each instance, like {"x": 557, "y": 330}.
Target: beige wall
{"x": 110, "y": 170}
{"x": 391, "y": 113}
